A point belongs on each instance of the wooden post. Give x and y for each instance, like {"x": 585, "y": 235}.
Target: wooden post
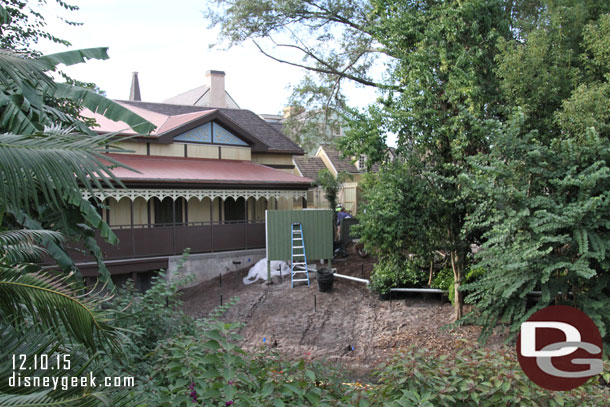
{"x": 245, "y": 222}
{"x": 212, "y": 224}
{"x": 133, "y": 237}
{"x": 220, "y": 202}
{"x": 186, "y": 211}
{"x": 173, "y": 225}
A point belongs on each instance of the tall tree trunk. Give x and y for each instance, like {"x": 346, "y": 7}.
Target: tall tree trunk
{"x": 431, "y": 273}
{"x": 457, "y": 264}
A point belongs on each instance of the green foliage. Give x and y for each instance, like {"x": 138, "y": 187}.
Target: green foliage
{"x": 471, "y": 378}
{"x": 549, "y": 233}
{"x": 64, "y": 361}
{"x": 447, "y": 105}
{"x": 444, "y": 280}
{"x": 541, "y": 69}
{"x": 21, "y": 25}
{"x": 23, "y": 246}
{"x": 44, "y": 166}
{"x": 211, "y": 369}
{"x": 31, "y": 99}
{"x": 152, "y": 316}
{"x": 394, "y": 219}
{"x": 200, "y": 362}
{"x": 69, "y": 161}
{"x": 331, "y": 185}
{"x": 456, "y": 72}
{"x": 396, "y": 272}
{"x": 54, "y": 303}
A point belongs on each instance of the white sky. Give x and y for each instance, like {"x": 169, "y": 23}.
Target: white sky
{"x": 167, "y": 42}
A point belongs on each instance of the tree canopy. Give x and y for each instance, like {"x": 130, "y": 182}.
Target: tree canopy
{"x": 500, "y": 110}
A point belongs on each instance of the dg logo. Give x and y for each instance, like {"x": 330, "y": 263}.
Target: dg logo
{"x": 560, "y": 348}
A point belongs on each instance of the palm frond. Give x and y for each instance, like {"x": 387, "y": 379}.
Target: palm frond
{"x": 102, "y": 105}
{"x": 19, "y": 70}
{"x": 23, "y": 245}
{"x": 51, "y": 164}
{"x": 24, "y": 82}
{"x": 17, "y": 116}
{"x": 55, "y": 303}
{"x": 13, "y": 237}
{"x": 43, "y": 343}
{"x": 77, "y": 223}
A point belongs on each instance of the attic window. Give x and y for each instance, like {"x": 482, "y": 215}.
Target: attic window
{"x": 362, "y": 162}
{"x": 210, "y": 133}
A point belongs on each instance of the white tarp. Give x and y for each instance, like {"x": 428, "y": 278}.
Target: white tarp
{"x": 259, "y": 270}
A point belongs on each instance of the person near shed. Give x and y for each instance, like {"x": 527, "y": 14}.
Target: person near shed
{"x": 342, "y": 214}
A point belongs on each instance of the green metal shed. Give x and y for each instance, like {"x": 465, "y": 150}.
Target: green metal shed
{"x": 317, "y": 234}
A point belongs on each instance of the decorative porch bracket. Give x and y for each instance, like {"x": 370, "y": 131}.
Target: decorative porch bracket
{"x": 200, "y": 194}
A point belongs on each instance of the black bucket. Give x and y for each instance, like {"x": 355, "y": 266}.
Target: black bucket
{"x": 325, "y": 279}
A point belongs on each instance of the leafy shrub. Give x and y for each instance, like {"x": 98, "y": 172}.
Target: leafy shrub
{"x": 145, "y": 319}
{"x": 382, "y": 278}
{"x": 444, "y": 279}
{"x": 210, "y": 369}
{"x": 395, "y": 272}
{"x": 154, "y": 315}
{"x": 484, "y": 378}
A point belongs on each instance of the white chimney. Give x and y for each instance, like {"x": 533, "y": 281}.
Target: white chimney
{"x": 216, "y": 82}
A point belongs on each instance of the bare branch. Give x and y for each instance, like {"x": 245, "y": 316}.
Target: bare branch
{"x": 325, "y": 69}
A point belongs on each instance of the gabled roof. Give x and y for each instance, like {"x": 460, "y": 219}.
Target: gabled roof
{"x": 197, "y": 171}
{"x": 309, "y": 167}
{"x": 198, "y": 97}
{"x": 340, "y": 164}
{"x": 171, "y": 120}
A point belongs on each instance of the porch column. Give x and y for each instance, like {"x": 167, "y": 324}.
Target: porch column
{"x": 212, "y": 224}
{"x": 220, "y": 204}
{"x": 174, "y": 226}
{"x": 133, "y": 236}
{"x": 186, "y": 210}
{"x": 245, "y": 221}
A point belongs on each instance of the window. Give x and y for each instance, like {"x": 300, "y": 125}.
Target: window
{"x": 362, "y": 162}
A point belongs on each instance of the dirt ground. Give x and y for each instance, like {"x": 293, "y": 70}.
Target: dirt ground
{"x": 348, "y": 325}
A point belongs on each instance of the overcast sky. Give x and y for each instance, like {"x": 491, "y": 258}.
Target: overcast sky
{"x": 167, "y": 42}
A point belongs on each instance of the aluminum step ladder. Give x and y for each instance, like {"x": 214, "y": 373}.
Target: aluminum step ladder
{"x": 298, "y": 256}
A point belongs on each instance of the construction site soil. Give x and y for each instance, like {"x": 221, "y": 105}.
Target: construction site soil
{"x": 349, "y": 325}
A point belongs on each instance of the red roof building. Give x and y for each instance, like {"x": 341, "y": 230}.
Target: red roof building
{"x": 202, "y": 179}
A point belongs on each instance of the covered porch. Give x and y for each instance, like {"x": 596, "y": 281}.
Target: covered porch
{"x": 156, "y": 223}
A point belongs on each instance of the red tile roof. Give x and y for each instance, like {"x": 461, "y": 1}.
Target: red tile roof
{"x": 178, "y": 170}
